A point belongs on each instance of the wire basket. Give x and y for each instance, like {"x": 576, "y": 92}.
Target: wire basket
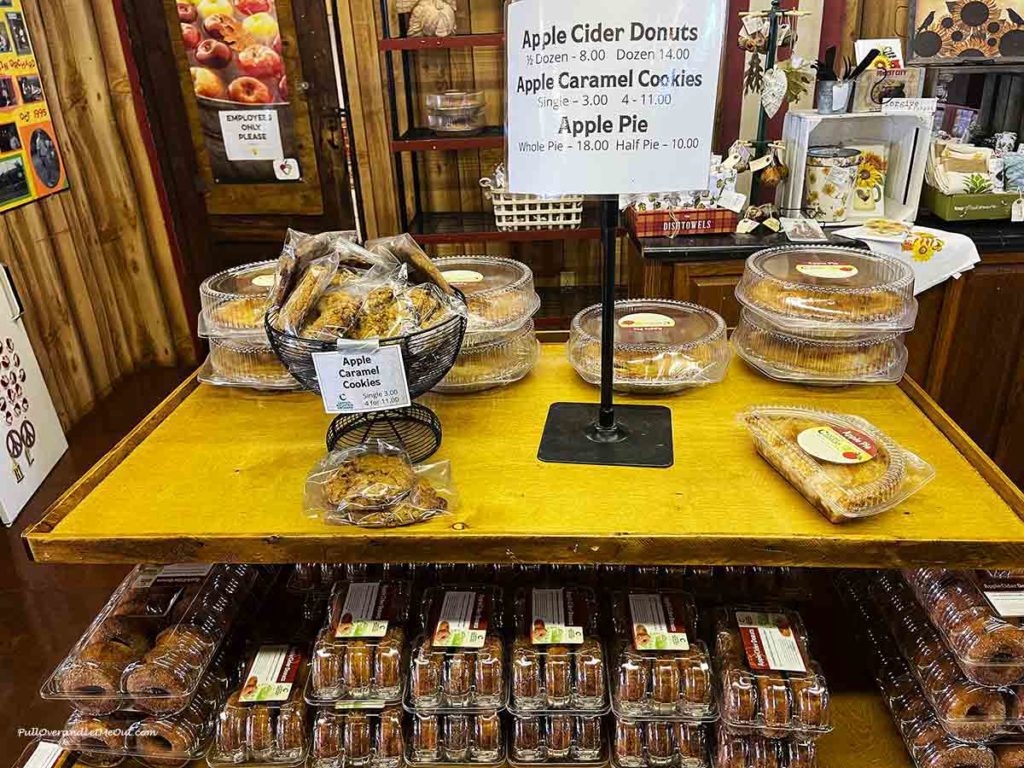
{"x": 415, "y": 429}
{"x": 518, "y": 212}
{"x": 427, "y": 355}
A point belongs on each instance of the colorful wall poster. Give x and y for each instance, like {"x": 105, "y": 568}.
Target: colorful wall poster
{"x": 240, "y": 85}
{"x": 30, "y": 161}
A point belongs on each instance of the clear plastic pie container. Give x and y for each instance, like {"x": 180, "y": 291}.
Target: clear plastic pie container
{"x": 855, "y": 358}
{"x": 659, "y": 744}
{"x": 463, "y": 121}
{"x": 245, "y": 362}
{"x": 234, "y": 301}
{"x": 661, "y": 346}
{"x": 446, "y": 100}
{"x": 829, "y": 288}
{"x": 492, "y": 359}
{"x": 500, "y": 294}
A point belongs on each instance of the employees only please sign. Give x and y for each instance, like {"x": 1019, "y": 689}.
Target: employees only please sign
{"x": 609, "y": 97}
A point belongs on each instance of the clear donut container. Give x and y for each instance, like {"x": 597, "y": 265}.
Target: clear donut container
{"x": 768, "y": 683}
{"x": 752, "y": 751}
{"x": 967, "y": 711}
{"x": 926, "y": 740}
{"x": 456, "y": 112}
{"x": 44, "y": 754}
{"x": 829, "y": 288}
{"x": 661, "y": 671}
{"x": 489, "y": 360}
{"x": 152, "y": 642}
{"x": 807, "y": 358}
{"x": 557, "y": 660}
{"x": 360, "y": 653}
{"x": 965, "y": 608}
{"x": 245, "y": 362}
{"x": 661, "y": 346}
{"x": 159, "y": 741}
{"x": 264, "y": 721}
{"x": 316, "y": 578}
{"x": 357, "y": 739}
{"x": 456, "y": 739}
{"x": 500, "y": 294}
{"x": 560, "y": 738}
{"x": 458, "y": 664}
{"x": 659, "y": 744}
{"x": 233, "y": 302}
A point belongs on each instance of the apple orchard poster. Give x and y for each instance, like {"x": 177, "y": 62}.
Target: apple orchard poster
{"x": 30, "y": 162}
{"x": 241, "y": 89}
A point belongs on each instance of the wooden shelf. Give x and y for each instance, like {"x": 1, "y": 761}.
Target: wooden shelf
{"x": 426, "y": 140}
{"x": 479, "y": 227}
{"x": 217, "y": 475}
{"x": 454, "y": 41}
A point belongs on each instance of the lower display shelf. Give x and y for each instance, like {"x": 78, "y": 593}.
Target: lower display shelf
{"x": 864, "y": 735}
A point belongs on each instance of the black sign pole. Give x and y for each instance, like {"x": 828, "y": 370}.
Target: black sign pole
{"x": 627, "y": 435}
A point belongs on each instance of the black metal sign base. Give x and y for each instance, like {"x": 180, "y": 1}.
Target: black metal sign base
{"x": 640, "y": 437}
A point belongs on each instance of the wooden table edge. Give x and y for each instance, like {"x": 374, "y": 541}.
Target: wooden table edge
{"x": 843, "y": 551}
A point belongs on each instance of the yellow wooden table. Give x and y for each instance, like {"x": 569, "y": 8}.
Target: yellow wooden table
{"x": 217, "y": 475}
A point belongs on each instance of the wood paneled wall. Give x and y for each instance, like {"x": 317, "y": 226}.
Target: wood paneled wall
{"x": 94, "y": 265}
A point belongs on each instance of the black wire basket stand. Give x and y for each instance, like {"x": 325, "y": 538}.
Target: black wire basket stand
{"x": 427, "y": 357}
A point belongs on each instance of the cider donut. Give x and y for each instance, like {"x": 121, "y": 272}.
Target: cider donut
{"x": 157, "y": 687}
{"x": 695, "y": 673}
{"x": 810, "y": 701}
{"x": 291, "y": 726}
{"x": 972, "y": 713}
{"x": 773, "y": 703}
{"x": 164, "y": 742}
{"x": 740, "y": 696}
{"x": 95, "y": 734}
{"x": 1009, "y": 755}
{"x": 995, "y": 652}
{"x": 96, "y": 681}
{"x": 127, "y": 633}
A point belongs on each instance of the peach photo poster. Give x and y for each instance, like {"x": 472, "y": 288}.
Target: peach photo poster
{"x": 30, "y": 161}
{"x": 241, "y": 88}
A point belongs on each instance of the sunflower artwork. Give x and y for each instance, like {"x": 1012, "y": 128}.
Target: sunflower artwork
{"x": 922, "y": 246}
{"x": 869, "y": 184}
{"x": 967, "y": 30}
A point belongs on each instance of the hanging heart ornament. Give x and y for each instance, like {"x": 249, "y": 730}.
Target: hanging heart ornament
{"x": 773, "y": 92}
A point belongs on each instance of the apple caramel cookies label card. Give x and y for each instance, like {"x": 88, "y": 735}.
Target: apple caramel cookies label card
{"x": 361, "y": 613}
{"x": 658, "y": 622}
{"x": 271, "y": 674}
{"x": 463, "y": 620}
{"x": 552, "y": 622}
{"x": 770, "y": 642}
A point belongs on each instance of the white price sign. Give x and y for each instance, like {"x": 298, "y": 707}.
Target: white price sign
{"x": 609, "y": 97}
{"x": 251, "y": 135}
{"x": 362, "y": 377}
{"x": 915, "y": 106}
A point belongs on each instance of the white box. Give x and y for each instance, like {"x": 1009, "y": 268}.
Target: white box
{"x": 33, "y": 438}
{"x": 907, "y": 136}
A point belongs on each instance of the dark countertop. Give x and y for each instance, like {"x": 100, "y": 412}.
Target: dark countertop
{"x": 989, "y": 236}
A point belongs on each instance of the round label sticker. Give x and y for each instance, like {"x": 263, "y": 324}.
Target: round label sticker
{"x": 461, "y": 276}
{"x": 830, "y": 270}
{"x": 837, "y": 445}
{"x": 263, "y": 281}
{"x": 646, "y": 320}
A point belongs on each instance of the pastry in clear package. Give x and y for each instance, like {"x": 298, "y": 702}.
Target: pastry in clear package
{"x": 661, "y": 346}
{"x": 842, "y": 464}
{"x": 304, "y": 296}
{"x": 333, "y": 314}
{"x": 829, "y": 287}
{"x": 815, "y": 359}
{"x": 455, "y": 738}
{"x": 371, "y": 739}
{"x": 237, "y": 361}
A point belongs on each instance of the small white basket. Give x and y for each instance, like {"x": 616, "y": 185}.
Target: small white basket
{"x": 518, "y": 212}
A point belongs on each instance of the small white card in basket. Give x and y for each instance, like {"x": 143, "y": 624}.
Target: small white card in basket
{"x": 361, "y": 377}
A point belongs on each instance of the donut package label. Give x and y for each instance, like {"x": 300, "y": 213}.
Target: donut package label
{"x": 463, "y": 620}
{"x": 770, "y": 642}
{"x": 553, "y": 620}
{"x": 658, "y": 622}
{"x": 45, "y": 755}
{"x": 363, "y": 611}
{"x": 1005, "y": 593}
{"x": 178, "y": 573}
{"x": 271, "y": 674}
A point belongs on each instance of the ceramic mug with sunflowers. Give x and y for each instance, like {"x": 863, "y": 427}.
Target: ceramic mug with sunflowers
{"x": 828, "y": 187}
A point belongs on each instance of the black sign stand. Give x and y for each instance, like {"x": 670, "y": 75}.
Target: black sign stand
{"x": 606, "y": 434}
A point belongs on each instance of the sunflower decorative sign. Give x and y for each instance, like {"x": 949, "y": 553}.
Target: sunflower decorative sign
{"x": 966, "y": 30}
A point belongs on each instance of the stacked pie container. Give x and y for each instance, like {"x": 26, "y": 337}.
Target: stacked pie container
{"x": 500, "y": 346}
{"x": 825, "y": 315}
{"x": 234, "y": 303}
